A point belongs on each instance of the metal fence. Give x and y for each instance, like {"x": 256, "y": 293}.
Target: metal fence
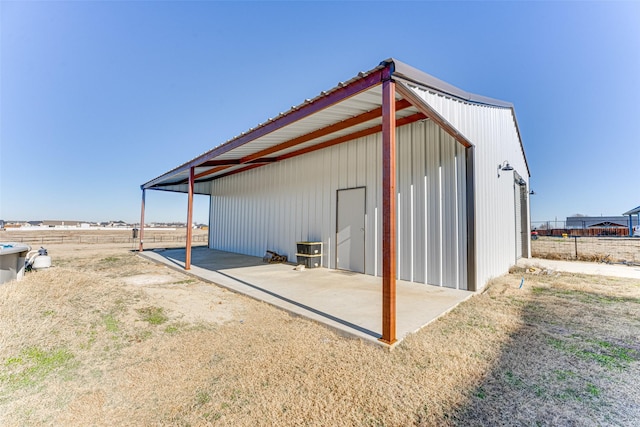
{"x": 559, "y": 228}
{"x": 97, "y": 239}
{"x": 624, "y": 250}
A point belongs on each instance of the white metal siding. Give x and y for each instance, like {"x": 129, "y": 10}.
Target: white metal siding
{"x": 493, "y": 132}
{"x": 274, "y": 206}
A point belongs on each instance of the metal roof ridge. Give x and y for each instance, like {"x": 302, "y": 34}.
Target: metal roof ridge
{"x": 427, "y": 80}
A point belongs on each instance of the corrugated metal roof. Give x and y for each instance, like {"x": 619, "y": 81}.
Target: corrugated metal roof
{"x": 295, "y": 130}
{"x": 410, "y": 73}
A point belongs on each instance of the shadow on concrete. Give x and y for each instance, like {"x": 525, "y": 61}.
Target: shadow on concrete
{"x": 348, "y": 302}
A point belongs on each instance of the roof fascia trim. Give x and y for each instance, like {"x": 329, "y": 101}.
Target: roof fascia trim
{"x": 165, "y": 187}
{"x": 421, "y": 78}
{"x": 632, "y": 211}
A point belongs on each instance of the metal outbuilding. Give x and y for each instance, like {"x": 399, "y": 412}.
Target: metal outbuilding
{"x": 573, "y": 222}
{"x": 397, "y": 173}
{"x": 635, "y": 211}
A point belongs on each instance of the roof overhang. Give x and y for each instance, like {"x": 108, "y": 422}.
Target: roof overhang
{"x": 633, "y": 211}
{"x": 350, "y": 110}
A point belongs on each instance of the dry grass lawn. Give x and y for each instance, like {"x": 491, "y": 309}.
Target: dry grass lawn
{"x": 108, "y": 338}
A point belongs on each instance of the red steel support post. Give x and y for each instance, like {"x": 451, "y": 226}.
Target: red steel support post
{"x": 187, "y": 259}
{"x": 140, "y": 249}
{"x": 388, "y": 211}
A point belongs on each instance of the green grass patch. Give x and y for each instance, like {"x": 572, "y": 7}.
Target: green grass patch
{"x": 513, "y": 379}
{"x": 564, "y": 375}
{"x": 593, "y": 390}
{"x": 185, "y": 282}
{"x": 32, "y": 365}
{"x": 172, "y": 329}
{"x": 569, "y": 394}
{"x": 153, "y": 315}
{"x": 111, "y": 323}
{"x": 202, "y": 398}
{"x": 606, "y": 354}
{"x": 581, "y": 296}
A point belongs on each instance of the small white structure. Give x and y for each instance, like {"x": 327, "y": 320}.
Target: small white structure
{"x": 12, "y": 261}
{"x": 397, "y": 173}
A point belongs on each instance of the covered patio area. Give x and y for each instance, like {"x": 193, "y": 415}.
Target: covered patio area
{"x": 346, "y": 301}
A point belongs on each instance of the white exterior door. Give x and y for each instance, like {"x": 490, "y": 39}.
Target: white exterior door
{"x": 350, "y": 230}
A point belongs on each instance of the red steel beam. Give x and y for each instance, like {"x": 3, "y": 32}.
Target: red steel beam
{"x": 233, "y": 162}
{"x": 388, "y": 212}
{"x": 340, "y": 94}
{"x": 258, "y": 157}
{"x": 140, "y": 249}
{"x": 425, "y": 108}
{"x": 243, "y": 169}
{"x": 236, "y": 162}
{"x": 229, "y": 162}
{"x": 345, "y": 124}
{"x": 209, "y": 172}
{"x": 187, "y": 258}
{"x": 346, "y": 138}
{"x": 365, "y": 132}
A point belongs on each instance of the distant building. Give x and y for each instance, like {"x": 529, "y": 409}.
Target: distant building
{"x": 600, "y": 225}
{"x": 56, "y": 223}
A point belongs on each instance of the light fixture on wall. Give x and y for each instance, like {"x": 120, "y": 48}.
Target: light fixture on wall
{"x": 521, "y": 181}
{"x": 533, "y": 193}
{"x": 504, "y": 166}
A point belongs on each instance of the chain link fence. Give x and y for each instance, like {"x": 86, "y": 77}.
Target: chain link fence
{"x": 622, "y": 250}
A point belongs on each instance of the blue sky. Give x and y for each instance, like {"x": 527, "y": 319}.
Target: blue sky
{"x": 97, "y": 98}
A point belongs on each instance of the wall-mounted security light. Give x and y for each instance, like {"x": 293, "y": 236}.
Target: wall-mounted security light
{"x": 504, "y": 166}
{"x": 533, "y": 193}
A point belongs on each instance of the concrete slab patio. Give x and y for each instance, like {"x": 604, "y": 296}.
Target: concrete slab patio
{"x": 349, "y": 302}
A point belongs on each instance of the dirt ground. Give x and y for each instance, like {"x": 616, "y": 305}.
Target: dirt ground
{"x": 108, "y": 338}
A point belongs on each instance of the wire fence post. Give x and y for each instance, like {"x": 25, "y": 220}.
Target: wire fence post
{"x": 575, "y": 238}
